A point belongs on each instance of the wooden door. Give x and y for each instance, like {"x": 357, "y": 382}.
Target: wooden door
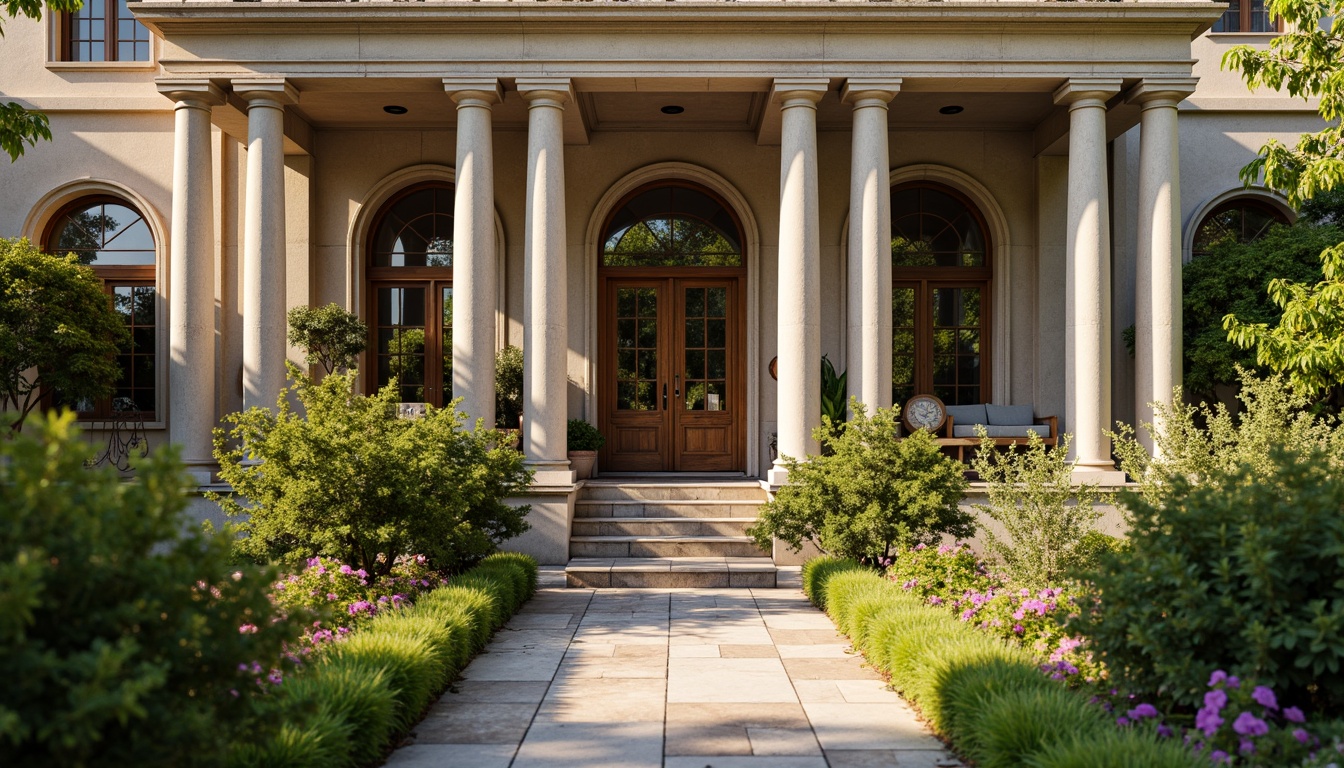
{"x": 672, "y": 375}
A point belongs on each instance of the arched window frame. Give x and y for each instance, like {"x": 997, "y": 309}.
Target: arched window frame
{"x": 675, "y": 183}
{"x": 120, "y": 277}
{"x": 1241, "y": 203}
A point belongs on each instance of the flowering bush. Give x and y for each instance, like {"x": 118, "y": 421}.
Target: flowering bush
{"x": 347, "y": 597}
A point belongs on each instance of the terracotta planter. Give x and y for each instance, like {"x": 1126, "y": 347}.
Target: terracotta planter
{"x": 583, "y": 463}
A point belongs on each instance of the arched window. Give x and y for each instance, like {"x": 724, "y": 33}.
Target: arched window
{"x": 1239, "y": 220}
{"x": 941, "y": 272}
{"x": 411, "y": 290}
{"x": 672, "y": 226}
{"x": 111, "y": 236}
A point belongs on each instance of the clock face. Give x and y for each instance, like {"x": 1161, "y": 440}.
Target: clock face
{"x": 924, "y": 413}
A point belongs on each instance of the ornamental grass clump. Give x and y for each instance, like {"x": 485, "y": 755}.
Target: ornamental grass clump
{"x": 347, "y": 479}
{"x": 1008, "y": 727}
{"x": 1240, "y": 571}
{"x": 870, "y": 492}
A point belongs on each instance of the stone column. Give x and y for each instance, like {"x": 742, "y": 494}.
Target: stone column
{"x": 868, "y": 341}
{"x": 545, "y": 303}
{"x": 191, "y": 277}
{"x": 1087, "y": 394}
{"x": 474, "y": 269}
{"x": 799, "y": 289}
{"x": 1157, "y": 289}
{"x": 264, "y": 324}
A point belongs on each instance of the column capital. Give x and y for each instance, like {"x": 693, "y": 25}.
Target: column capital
{"x": 191, "y": 93}
{"x": 799, "y": 91}
{"x": 1087, "y": 91}
{"x": 545, "y": 91}
{"x": 863, "y": 91}
{"x": 473, "y": 91}
{"x": 1161, "y": 91}
{"x": 266, "y": 92}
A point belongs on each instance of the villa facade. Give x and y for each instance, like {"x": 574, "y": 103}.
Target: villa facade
{"x": 676, "y": 208}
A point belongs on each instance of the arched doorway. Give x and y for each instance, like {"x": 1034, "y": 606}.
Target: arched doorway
{"x": 672, "y": 332}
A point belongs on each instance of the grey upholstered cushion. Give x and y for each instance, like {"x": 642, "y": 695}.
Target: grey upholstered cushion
{"x": 966, "y": 414}
{"x": 1010, "y": 415}
{"x": 1002, "y": 431}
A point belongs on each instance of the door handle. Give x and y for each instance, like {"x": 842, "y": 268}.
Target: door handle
{"x": 676, "y": 377}
{"x": 664, "y": 395}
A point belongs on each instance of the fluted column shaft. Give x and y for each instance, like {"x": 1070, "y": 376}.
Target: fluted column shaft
{"x": 191, "y": 273}
{"x": 1157, "y": 288}
{"x": 545, "y": 305}
{"x": 1087, "y": 399}
{"x": 475, "y": 278}
{"x": 264, "y": 324}
{"x": 868, "y": 341}
{"x": 799, "y": 284}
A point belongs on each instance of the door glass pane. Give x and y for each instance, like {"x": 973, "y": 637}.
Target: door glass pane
{"x": 957, "y": 338}
{"x": 446, "y": 347}
{"x": 705, "y": 338}
{"x": 902, "y": 343}
{"x": 636, "y": 349}
{"x": 401, "y": 340}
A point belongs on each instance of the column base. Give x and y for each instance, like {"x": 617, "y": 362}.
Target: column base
{"x": 1098, "y": 474}
{"x": 777, "y": 475}
{"x": 201, "y": 471}
{"x": 550, "y": 472}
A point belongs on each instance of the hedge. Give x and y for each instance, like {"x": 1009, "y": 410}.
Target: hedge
{"x": 347, "y": 707}
{"x": 988, "y": 698}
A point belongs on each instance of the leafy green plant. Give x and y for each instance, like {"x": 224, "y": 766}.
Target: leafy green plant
{"x": 353, "y": 694}
{"x": 122, "y": 627}
{"x": 509, "y": 387}
{"x": 870, "y": 493}
{"x": 1240, "y": 571}
{"x": 1207, "y": 443}
{"x": 833, "y": 393}
{"x": 58, "y": 332}
{"x": 330, "y": 336}
{"x": 348, "y": 479}
{"x": 1043, "y": 519}
{"x": 582, "y": 436}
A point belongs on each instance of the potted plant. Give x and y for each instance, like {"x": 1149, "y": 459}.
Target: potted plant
{"x": 584, "y": 441}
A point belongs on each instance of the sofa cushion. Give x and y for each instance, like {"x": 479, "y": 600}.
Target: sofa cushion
{"x": 1010, "y": 415}
{"x": 1043, "y": 430}
{"x": 967, "y": 414}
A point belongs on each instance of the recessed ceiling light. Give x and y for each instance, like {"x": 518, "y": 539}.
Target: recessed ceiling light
{"x": 395, "y": 109}
{"x": 673, "y": 109}
{"x": 951, "y": 109}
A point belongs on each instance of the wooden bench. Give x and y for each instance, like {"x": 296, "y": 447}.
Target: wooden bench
{"x": 1006, "y": 425}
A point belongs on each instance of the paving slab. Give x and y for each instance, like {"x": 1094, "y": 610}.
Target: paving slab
{"x": 670, "y": 678}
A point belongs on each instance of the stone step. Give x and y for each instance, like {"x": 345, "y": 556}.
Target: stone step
{"x": 661, "y": 526}
{"x": 664, "y": 546}
{"x": 739, "y": 508}
{"x": 671, "y": 572}
{"x": 615, "y": 490}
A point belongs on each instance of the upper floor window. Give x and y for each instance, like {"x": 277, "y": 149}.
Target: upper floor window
{"x": 1246, "y": 16}
{"x": 1239, "y": 220}
{"x": 103, "y": 30}
{"x": 109, "y": 235}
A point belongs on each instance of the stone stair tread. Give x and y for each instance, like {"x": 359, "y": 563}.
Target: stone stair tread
{"x": 658, "y": 564}
{"x": 670, "y": 538}
{"x": 666, "y": 519}
{"x": 671, "y": 502}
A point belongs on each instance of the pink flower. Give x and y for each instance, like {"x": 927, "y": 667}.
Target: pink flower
{"x": 247, "y": 629}
{"x": 345, "y": 569}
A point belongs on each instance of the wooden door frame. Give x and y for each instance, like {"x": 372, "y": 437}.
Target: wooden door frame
{"x": 434, "y": 344}
{"x": 924, "y": 282}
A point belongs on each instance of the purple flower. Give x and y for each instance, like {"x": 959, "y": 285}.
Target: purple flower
{"x": 919, "y": 547}
{"x": 1164, "y": 731}
{"x": 1122, "y": 721}
{"x": 1217, "y": 677}
{"x": 1246, "y": 747}
{"x": 968, "y": 614}
{"x": 1301, "y": 735}
{"x": 1219, "y": 756}
{"x": 1265, "y": 697}
{"x": 345, "y": 569}
{"x": 1142, "y": 711}
{"x": 1294, "y": 715}
{"x": 1018, "y": 629}
{"x": 1233, "y": 681}
{"x": 1208, "y": 721}
{"x": 363, "y": 606}
{"x": 1247, "y": 724}
{"x": 935, "y": 600}
{"x": 332, "y": 596}
{"x": 1215, "y": 700}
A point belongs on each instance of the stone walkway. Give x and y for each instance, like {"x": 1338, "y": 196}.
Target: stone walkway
{"x": 670, "y": 678}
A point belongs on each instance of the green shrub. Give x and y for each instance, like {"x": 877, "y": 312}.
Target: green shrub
{"x": 1115, "y": 748}
{"x": 845, "y": 587}
{"x": 1241, "y": 572}
{"x": 317, "y": 740}
{"x": 524, "y": 564}
{"x": 122, "y": 627}
{"x": 946, "y": 571}
{"x": 869, "y": 493}
{"x": 582, "y": 436}
{"x": 482, "y": 610}
{"x": 819, "y": 570}
{"x": 1044, "y": 516}
{"x": 329, "y": 336}
{"x": 1009, "y": 727}
{"x": 509, "y": 388}
{"x": 962, "y": 684}
{"x": 412, "y": 667}
{"x": 351, "y": 693}
{"x": 435, "y": 634}
{"x": 350, "y": 480}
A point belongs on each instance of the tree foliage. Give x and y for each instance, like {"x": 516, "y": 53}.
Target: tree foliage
{"x": 1308, "y": 61}
{"x": 122, "y": 628}
{"x": 349, "y": 479}
{"x": 508, "y": 387}
{"x": 58, "y": 331}
{"x": 870, "y": 493}
{"x": 330, "y": 336}
{"x": 20, "y": 126}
